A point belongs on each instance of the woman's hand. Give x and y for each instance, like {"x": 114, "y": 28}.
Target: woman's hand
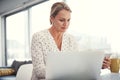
{"x": 106, "y": 63}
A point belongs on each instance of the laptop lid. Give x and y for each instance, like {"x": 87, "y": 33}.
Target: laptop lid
{"x": 74, "y": 65}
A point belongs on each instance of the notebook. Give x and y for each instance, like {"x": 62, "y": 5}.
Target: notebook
{"x": 83, "y": 65}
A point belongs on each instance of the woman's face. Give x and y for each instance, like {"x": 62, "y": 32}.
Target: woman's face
{"x": 61, "y": 21}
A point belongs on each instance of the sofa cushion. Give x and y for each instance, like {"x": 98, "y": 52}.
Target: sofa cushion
{"x": 17, "y": 64}
{"x": 28, "y": 62}
{"x": 6, "y": 71}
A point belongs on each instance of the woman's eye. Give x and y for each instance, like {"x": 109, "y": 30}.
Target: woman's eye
{"x": 61, "y": 20}
{"x": 68, "y": 20}
{"x": 64, "y": 20}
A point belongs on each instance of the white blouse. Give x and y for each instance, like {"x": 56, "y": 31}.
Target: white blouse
{"x": 42, "y": 44}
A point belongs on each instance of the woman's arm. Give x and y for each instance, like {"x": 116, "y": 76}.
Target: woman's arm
{"x": 37, "y": 57}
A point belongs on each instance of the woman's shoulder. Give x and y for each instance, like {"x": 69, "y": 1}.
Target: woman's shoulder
{"x": 40, "y": 34}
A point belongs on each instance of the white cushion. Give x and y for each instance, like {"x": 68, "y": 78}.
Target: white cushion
{"x": 24, "y": 72}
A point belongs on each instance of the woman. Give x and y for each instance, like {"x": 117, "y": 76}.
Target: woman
{"x": 53, "y": 39}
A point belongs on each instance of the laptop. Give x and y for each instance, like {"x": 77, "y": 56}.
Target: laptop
{"x": 83, "y": 65}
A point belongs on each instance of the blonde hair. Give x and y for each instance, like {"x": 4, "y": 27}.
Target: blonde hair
{"x": 58, "y": 6}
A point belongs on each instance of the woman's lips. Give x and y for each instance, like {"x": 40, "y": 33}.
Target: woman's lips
{"x": 63, "y": 28}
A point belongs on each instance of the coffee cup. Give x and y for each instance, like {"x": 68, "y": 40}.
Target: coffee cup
{"x": 115, "y": 65}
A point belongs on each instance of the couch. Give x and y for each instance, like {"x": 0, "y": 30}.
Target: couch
{"x": 9, "y": 73}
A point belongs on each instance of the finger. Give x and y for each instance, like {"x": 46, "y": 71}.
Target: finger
{"x": 108, "y": 62}
{"x": 105, "y": 66}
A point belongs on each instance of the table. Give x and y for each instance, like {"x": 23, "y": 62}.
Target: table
{"x": 107, "y": 75}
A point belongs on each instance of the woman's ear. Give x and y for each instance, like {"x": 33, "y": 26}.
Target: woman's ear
{"x": 52, "y": 19}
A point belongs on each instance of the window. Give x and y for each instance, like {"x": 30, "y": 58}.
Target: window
{"x": 16, "y": 36}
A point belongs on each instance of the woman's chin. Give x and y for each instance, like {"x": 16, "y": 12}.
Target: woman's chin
{"x": 63, "y": 30}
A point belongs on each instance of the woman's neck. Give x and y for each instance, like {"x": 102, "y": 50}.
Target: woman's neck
{"x": 56, "y": 34}
{"x": 57, "y": 37}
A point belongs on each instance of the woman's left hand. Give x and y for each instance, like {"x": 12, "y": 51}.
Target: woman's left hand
{"x": 106, "y": 63}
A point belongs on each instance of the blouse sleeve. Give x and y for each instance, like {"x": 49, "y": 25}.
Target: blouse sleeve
{"x": 37, "y": 57}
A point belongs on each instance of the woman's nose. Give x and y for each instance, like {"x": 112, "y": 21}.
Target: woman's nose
{"x": 66, "y": 23}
